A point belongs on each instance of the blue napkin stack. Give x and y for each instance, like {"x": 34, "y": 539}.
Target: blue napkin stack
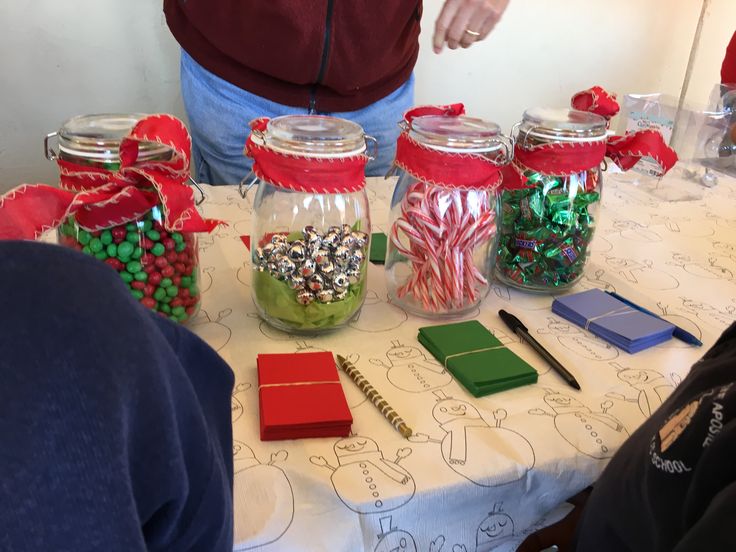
{"x": 612, "y": 320}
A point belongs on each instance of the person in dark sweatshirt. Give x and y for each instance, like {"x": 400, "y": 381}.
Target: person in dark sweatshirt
{"x": 115, "y": 429}
{"x": 351, "y": 58}
{"x": 671, "y": 487}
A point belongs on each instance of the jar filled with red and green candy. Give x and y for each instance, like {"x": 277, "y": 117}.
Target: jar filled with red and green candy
{"x": 160, "y": 267}
{"x": 550, "y": 199}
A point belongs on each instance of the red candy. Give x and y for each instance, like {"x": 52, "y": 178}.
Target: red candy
{"x": 149, "y": 302}
{"x": 161, "y": 262}
{"x": 138, "y": 285}
{"x": 171, "y": 257}
{"x": 169, "y": 244}
{"x": 147, "y": 244}
{"x": 182, "y": 257}
{"x": 167, "y": 271}
{"x": 176, "y": 302}
{"x": 180, "y": 267}
{"x": 119, "y": 233}
{"x": 148, "y": 259}
{"x": 115, "y": 263}
{"x": 154, "y": 278}
{"x": 148, "y": 289}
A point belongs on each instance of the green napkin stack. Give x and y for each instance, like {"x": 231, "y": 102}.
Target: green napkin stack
{"x": 379, "y": 242}
{"x": 483, "y": 364}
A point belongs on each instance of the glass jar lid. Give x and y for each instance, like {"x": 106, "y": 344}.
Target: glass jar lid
{"x": 563, "y": 125}
{"x": 456, "y": 134}
{"x": 99, "y": 136}
{"x": 314, "y": 136}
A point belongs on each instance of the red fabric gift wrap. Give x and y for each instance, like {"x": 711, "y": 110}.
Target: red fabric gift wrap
{"x": 300, "y": 396}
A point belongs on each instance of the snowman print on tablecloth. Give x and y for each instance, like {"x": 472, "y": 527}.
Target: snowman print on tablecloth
{"x": 410, "y": 370}
{"x": 377, "y": 315}
{"x": 700, "y": 270}
{"x": 683, "y": 226}
{"x": 595, "y": 434}
{"x": 680, "y": 321}
{"x": 236, "y": 403}
{"x": 264, "y": 498}
{"x": 642, "y": 273}
{"x": 721, "y": 317}
{"x": 651, "y": 388}
{"x": 633, "y": 231}
{"x": 497, "y": 527}
{"x": 577, "y": 341}
{"x": 392, "y": 539}
{"x": 364, "y": 480}
{"x": 214, "y": 332}
{"x": 484, "y": 454}
{"x": 596, "y": 281}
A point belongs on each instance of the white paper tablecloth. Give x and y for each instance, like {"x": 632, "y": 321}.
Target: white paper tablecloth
{"x": 529, "y": 448}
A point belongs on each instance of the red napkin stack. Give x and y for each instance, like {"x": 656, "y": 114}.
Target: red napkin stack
{"x": 301, "y": 396}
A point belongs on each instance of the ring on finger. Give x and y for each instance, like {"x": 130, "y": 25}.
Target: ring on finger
{"x": 472, "y": 33}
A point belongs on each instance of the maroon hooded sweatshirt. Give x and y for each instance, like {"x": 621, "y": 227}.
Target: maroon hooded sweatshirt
{"x": 328, "y": 55}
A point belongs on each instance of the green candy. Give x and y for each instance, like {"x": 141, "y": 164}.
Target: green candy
{"x": 179, "y": 247}
{"x": 138, "y": 294}
{"x": 95, "y": 245}
{"x": 167, "y": 299}
{"x": 133, "y": 267}
{"x": 159, "y": 294}
{"x": 172, "y": 291}
{"x": 177, "y": 237}
{"x": 86, "y": 250}
{"x": 132, "y": 237}
{"x": 101, "y": 255}
{"x": 141, "y": 276}
{"x": 126, "y": 276}
{"x": 178, "y": 311}
{"x": 166, "y": 282}
{"x": 137, "y": 252}
{"x": 84, "y": 237}
{"x": 193, "y": 290}
{"x": 153, "y": 235}
{"x": 112, "y": 250}
{"x": 131, "y": 227}
{"x": 186, "y": 281}
{"x": 165, "y": 308}
{"x": 125, "y": 249}
{"x": 106, "y": 237}
{"x": 158, "y": 249}
{"x": 147, "y": 225}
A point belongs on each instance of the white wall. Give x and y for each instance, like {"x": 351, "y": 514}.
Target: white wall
{"x": 61, "y": 59}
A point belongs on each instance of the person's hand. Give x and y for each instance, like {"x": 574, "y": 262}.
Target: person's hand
{"x": 464, "y": 22}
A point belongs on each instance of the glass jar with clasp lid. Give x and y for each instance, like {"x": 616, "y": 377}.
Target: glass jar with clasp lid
{"x": 551, "y": 199}
{"x": 127, "y": 227}
{"x": 311, "y": 223}
{"x": 442, "y": 240}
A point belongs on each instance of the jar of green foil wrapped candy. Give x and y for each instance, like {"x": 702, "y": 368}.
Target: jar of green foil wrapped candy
{"x": 550, "y": 199}
{"x": 311, "y": 224}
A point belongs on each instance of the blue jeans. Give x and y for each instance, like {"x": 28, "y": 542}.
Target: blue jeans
{"x": 219, "y": 113}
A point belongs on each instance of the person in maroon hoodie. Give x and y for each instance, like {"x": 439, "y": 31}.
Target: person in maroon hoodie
{"x": 348, "y": 58}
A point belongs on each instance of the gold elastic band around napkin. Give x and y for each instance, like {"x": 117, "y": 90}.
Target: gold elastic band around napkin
{"x": 614, "y": 312}
{"x": 448, "y": 357}
{"x": 292, "y": 383}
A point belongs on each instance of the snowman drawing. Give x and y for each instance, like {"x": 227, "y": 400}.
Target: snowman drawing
{"x": 206, "y": 283}
{"x": 487, "y": 455}
{"x": 266, "y": 523}
{"x": 632, "y": 230}
{"x": 364, "y": 480}
{"x": 642, "y": 273}
{"x": 576, "y": 341}
{"x": 494, "y": 528}
{"x": 392, "y": 539}
{"x": 235, "y": 402}
{"x": 244, "y": 274}
{"x": 651, "y": 387}
{"x": 410, "y": 370}
{"x": 378, "y": 315}
{"x": 683, "y": 225}
{"x": 596, "y": 281}
{"x": 700, "y": 270}
{"x": 214, "y": 332}
{"x": 724, "y": 316}
{"x": 595, "y": 434}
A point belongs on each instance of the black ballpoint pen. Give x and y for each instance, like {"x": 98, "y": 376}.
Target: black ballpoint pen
{"x": 520, "y": 329}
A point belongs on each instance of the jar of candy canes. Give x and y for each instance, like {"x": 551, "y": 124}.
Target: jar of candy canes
{"x": 549, "y": 210}
{"x": 123, "y": 180}
{"x": 311, "y": 225}
{"x": 442, "y": 240}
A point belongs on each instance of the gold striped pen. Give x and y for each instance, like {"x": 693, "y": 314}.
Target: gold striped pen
{"x": 389, "y": 413}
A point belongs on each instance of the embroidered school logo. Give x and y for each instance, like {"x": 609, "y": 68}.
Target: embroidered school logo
{"x": 676, "y": 425}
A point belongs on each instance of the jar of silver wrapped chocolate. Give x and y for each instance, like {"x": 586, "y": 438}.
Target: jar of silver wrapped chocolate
{"x": 311, "y": 224}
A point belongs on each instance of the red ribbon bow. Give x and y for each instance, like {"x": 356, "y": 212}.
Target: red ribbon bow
{"x": 302, "y": 173}
{"x": 441, "y": 168}
{"x": 568, "y": 158}
{"x": 99, "y": 199}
